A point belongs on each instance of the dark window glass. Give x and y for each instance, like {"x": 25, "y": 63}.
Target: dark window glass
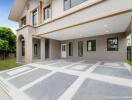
{"x": 71, "y": 3}
{"x": 35, "y": 50}
{"x": 70, "y": 49}
{"x": 34, "y": 17}
{"x": 23, "y": 21}
{"x": 76, "y": 2}
{"x": 47, "y": 48}
{"x": 112, "y": 44}
{"x": 23, "y": 48}
{"x": 47, "y": 12}
{"x": 91, "y": 45}
{"x": 63, "y": 47}
{"x": 67, "y": 4}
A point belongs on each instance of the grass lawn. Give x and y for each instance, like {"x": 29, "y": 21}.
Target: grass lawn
{"x": 8, "y": 64}
{"x": 129, "y": 62}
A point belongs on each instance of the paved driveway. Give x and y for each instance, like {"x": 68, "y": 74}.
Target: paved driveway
{"x": 69, "y": 79}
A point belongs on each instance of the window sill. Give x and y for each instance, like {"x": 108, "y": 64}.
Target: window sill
{"x": 47, "y": 20}
{"x": 81, "y": 6}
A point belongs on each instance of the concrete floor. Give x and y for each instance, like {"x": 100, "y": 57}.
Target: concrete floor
{"x": 4, "y": 95}
{"x": 69, "y": 79}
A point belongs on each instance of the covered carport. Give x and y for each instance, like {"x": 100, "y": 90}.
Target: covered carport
{"x": 115, "y": 24}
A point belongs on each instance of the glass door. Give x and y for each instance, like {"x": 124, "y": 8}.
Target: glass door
{"x": 80, "y": 48}
{"x": 63, "y": 50}
{"x": 35, "y": 50}
{"x": 70, "y": 49}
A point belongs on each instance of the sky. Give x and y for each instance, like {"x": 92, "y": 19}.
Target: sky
{"x": 5, "y": 7}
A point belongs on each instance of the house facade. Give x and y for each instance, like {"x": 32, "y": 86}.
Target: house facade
{"x": 53, "y": 29}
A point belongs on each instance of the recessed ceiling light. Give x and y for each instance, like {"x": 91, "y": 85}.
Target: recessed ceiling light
{"x": 105, "y": 25}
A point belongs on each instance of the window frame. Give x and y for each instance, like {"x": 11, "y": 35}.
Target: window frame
{"x": 23, "y": 18}
{"x": 35, "y": 10}
{"x": 71, "y": 49}
{"x": 91, "y": 45}
{"x": 80, "y": 48}
{"x": 70, "y": 5}
{"x": 35, "y": 50}
{"x": 64, "y": 5}
{"x": 23, "y": 48}
{"x": 110, "y": 49}
{"x": 63, "y": 48}
{"x": 49, "y": 7}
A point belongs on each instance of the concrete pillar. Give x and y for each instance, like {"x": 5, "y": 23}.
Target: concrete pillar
{"x": 18, "y": 50}
{"x": 28, "y": 49}
{"x": 131, "y": 41}
{"x": 42, "y": 55}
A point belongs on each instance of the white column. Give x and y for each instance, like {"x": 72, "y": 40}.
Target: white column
{"x": 42, "y": 49}
{"x": 131, "y": 40}
{"x": 28, "y": 50}
{"x": 18, "y": 51}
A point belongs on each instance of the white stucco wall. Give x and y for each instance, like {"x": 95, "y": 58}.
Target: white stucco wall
{"x": 101, "y": 9}
{"x": 101, "y": 52}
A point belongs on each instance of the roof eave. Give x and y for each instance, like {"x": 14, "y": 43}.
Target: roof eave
{"x": 16, "y": 9}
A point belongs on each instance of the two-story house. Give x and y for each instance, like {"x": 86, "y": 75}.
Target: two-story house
{"x": 52, "y": 29}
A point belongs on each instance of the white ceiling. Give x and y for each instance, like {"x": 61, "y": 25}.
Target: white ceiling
{"x": 105, "y": 26}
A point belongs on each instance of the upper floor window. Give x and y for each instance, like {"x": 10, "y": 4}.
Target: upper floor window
{"x": 91, "y": 45}
{"x": 67, "y": 4}
{"x": 71, "y": 3}
{"x": 112, "y": 44}
{"x": 23, "y": 21}
{"x": 47, "y": 12}
{"x": 34, "y": 17}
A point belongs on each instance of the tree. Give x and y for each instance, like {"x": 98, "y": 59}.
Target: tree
{"x": 8, "y": 39}
{"x": 3, "y": 45}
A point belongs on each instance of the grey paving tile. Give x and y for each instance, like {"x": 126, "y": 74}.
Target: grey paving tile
{"x": 29, "y": 77}
{"x": 51, "y": 88}
{"x": 123, "y": 73}
{"x": 116, "y": 64}
{"x": 47, "y": 62}
{"x": 80, "y": 67}
{"x": 89, "y": 62}
{"x": 73, "y": 60}
{"x": 60, "y": 64}
{"x": 97, "y": 90}
{"x": 5, "y": 75}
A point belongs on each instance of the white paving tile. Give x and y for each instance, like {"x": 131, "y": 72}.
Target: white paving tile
{"x": 14, "y": 72}
{"x": 22, "y": 73}
{"x": 111, "y": 79}
{"x": 112, "y": 64}
{"x": 79, "y": 67}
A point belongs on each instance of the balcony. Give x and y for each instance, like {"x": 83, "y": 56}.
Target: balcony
{"x": 27, "y": 29}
